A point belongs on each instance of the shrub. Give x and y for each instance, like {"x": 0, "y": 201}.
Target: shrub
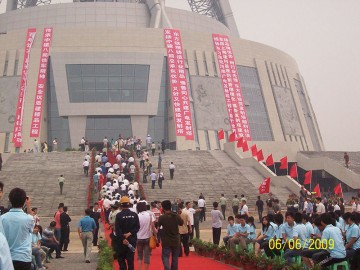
{"x": 105, "y": 261}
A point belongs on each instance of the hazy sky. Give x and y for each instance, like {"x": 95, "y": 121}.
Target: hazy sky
{"x": 324, "y": 38}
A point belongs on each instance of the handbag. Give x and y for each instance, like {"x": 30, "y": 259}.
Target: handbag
{"x": 152, "y": 240}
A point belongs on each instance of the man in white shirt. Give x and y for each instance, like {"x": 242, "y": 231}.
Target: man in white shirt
{"x": 116, "y": 167}
{"x": 86, "y": 167}
{"x": 172, "y": 170}
{"x": 118, "y": 158}
{"x": 105, "y": 142}
{"x": 202, "y": 204}
{"x": 55, "y": 145}
{"x": 320, "y": 207}
{"x": 87, "y": 157}
{"x": 82, "y": 144}
{"x": 36, "y": 146}
{"x": 98, "y": 158}
{"x": 153, "y": 178}
{"x": 136, "y": 188}
{"x": 131, "y": 160}
{"x": 190, "y": 211}
{"x": 244, "y": 209}
{"x": 148, "y": 142}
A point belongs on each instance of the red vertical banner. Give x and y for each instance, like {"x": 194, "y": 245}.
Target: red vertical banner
{"x": 17, "y": 133}
{"x": 178, "y": 83}
{"x": 41, "y": 83}
{"x": 232, "y": 88}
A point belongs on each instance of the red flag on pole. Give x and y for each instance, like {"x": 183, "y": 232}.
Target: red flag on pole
{"x": 254, "y": 150}
{"x": 240, "y": 142}
{"x": 308, "y": 177}
{"x": 284, "y": 163}
{"x": 338, "y": 190}
{"x": 265, "y": 186}
{"x": 221, "y": 135}
{"x": 293, "y": 171}
{"x": 245, "y": 146}
{"x": 260, "y": 155}
{"x": 269, "y": 160}
{"x": 232, "y": 137}
{"x": 317, "y": 190}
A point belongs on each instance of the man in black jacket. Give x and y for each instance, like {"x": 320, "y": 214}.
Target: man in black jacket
{"x": 65, "y": 230}
{"x": 126, "y": 227}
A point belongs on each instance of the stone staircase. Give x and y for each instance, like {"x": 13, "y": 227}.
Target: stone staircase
{"x": 209, "y": 172}
{"x": 37, "y": 174}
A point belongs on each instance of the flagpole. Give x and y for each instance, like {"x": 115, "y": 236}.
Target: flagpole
{"x": 275, "y": 168}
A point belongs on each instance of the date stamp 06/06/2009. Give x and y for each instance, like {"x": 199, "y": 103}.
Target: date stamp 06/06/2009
{"x": 311, "y": 244}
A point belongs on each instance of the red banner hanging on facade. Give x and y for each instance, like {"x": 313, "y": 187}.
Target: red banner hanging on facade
{"x": 178, "y": 83}
{"x": 17, "y": 133}
{"x": 41, "y": 83}
{"x": 232, "y": 90}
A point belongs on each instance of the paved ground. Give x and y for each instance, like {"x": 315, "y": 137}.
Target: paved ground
{"x": 74, "y": 258}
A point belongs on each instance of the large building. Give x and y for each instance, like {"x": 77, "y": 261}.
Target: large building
{"x": 108, "y": 74}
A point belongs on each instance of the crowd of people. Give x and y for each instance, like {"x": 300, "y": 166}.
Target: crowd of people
{"x": 25, "y": 244}
{"x": 314, "y": 230}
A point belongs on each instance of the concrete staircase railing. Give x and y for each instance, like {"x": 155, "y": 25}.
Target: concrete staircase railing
{"x": 332, "y": 167}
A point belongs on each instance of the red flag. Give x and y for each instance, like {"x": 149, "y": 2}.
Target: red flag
{"x": 232, "y": 137}
{"x": 221, "y": 134}
{"x": 254, "y": 150}
{"x": 260, "y": 155}
{"x": 308, "y": 177}
{"x": 240, "y": 142}
{"x": 338, "y": 190}
{"x": 293, "y": 171}
{"x": 265, "y": 186}
{"x": 284, "y": 163}
{"x": 269, "y": 160}
{"x": 317, "y": 190}
{"x": 245, "y": 146}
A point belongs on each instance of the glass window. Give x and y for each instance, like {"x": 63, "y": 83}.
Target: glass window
{"x": 102, "y": 83}
{"x": 101, "y": 70}
{"x": 74, "y": 71}
{"x": 89, "y": 96}
{"x": 127, "y": 96}
{"x": 87, "y": 70}
{"x": 88, "y": 83}
{"x": 115, "y": 96}
{"x": 139, "y": 96}
{"x": 127, "y": 82}
{"x": 102, "y": 96}
{"x": 115, "y": 83}
{"x": 128, "y": 70}
{"x": 115, "y": 70}
{"x": 255, "y": 106}
{"x": 122, "y": 83}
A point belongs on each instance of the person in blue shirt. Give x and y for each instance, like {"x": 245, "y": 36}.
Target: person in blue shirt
{"x": 352, "y": 240}
{"x": 231, "y": 230}
{"x": 252, "y": 233}
{"x": 5, "y": 257}
{"x": 288, "y": 227}
{"x": 17, "y": 228}
{"x": 298, "y": 241}
{"x": 241, "y": 235}
{"x": 335, "y": 250}
{"x": 340, "y": 223}
{"x": 307, "y": 252}
{"x": 277, "y": 236}
{"x": 86, "y": 228}
{"x": 267, "y": 232}
{"x": 309, "y": 228}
